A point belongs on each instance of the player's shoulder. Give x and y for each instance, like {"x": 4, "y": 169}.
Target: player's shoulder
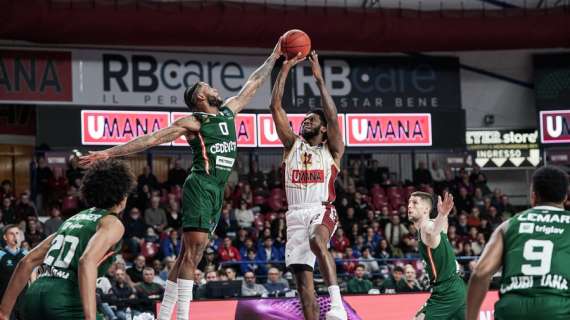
{"x": 226, "y": 111}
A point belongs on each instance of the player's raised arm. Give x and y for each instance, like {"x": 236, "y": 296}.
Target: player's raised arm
{"x": 334, "y": 135}
{"x": 21, "y": 276}
{"x": 179, "y": 128}
{"x": 110, "y": 232}
{"x": 489, "y": 263}
{"x": 432, "y": 229}
{"x": 284, "y": 131}
{"x": 255, "y": 80}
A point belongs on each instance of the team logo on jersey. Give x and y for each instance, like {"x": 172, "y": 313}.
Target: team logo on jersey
{"x": 308, "y": 176}
{"x": 307, "y": 159}
{"x": 526, "y": 227}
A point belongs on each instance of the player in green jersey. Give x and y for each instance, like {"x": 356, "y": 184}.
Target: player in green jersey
{"x": 533, "y": 249}
{"x": 210, "y": 131}
{"x": 447, "y": 300}
{"x": 77, "y": 253}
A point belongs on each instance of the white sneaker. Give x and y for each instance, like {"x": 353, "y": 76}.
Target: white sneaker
{"x": 336, "y": 313}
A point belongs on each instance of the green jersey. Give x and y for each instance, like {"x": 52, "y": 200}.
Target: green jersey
{"x": 440, "y": 262}
{"x": 62, "y": 258}
{"x": 215, "y": 147}
{"x": 536, "y": 254}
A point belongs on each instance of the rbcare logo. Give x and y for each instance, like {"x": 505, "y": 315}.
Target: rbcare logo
{"x": 555, "y": 126}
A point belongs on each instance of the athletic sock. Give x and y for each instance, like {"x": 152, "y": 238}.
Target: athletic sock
{"x": 334, "y": 292}
{"x": 168, "y": 301}
{"x": 184, "y": 298}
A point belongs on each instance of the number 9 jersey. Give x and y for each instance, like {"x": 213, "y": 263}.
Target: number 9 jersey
{"x": 55, "y": 294}
{"x": 535, "y": 275}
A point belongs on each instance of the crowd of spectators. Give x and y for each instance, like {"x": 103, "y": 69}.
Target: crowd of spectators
{"x": 249, "y": 242}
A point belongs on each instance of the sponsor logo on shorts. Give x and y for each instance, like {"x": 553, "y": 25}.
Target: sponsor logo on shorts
{"x": 308, "y": 176}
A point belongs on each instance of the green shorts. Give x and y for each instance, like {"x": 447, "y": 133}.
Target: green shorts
{"x": 549, "y": 307}
{"x": 52, "y": 298}
{"x": 447, "y": 301}
{"x": 202, "y": 201}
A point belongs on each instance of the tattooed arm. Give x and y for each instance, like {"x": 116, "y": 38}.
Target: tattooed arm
{"x": 256, "y": 79}
{"x": 180, "y": 127}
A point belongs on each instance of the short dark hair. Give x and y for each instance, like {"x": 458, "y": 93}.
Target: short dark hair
{"x": 106, "y": 183}
{"x": 321, "y": 114}
{"x": 189, "y": 95}
{"x": 424, "y": 196}
{"x": 550, "y": 184}
{"x": 398, "y": 269}
{"x": 8, "y": 227}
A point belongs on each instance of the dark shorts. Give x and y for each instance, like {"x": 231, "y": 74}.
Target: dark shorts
{"x": 202, "y": 200}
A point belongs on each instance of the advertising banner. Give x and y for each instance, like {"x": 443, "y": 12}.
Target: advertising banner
{"x": 554, "y": 126}
{"x": 267, "y": 134}
{"x": 375, "y": 130}
{"x": 516, "y": 148}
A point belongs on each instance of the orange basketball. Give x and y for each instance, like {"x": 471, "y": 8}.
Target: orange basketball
{"x": 295, "y": 41}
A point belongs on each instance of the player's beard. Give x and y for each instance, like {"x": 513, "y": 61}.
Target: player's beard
{"x": 215, "y": 101}
{"x": 309, "y": 134}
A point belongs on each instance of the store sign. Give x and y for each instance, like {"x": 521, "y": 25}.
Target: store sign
{"x": 375, "y": 130}
{"x": 504, "y": 148}
{"x": 35, "y": 75}
{"x": 555, "y": 127}
{"x": 245, "y": 129}
{"x": 268, "y": 134}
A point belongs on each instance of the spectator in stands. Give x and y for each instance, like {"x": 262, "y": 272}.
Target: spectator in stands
{"x": 209, "y": 261}
{"x": 170, "y": 246}
{"x": 368, "y": 261}
{"x": 462, "y": 228}
{"x": 478, "y": 199}
{"x": 228, "y": 252}
{"x": 148, "y": 292}
{"x": 6, "y": 190}
{"x": 157, "y": 267}
{"x": 394, "y": 231}
{"x": 147, "y": 178}
{"x": 244, "y": 216}
{"x": 122, "y": 295}
{"x": 268, "y": 253}
{"x": 33, "y": 233}
{"x": 252, "y": 264}
{"x": 409, "y": 243}
{"x": 168, "y": 265}
{"x": 25, "y": 208}
{"x": 411, "y": 283}
{"x": 384, "y": 250}
{"x": 395, "y": 283}
{"x": 173, "y": 218}
{"x": 340, "y": 242}
{"x": 177, "y": 174}
{"x": 135, "y": 272}
{"x": 505, "y": 208}
{"x": 230, "y": 273}
{"x": 10, "y": 255}
{"x": 358, "y": 284}
{"x": 8, "y": 212}
{"x": 437, "y": 173}
{"x": 251, "y": 289}
{"x": 422, "y": 175}
{"x": 227, "y": 223}
{"x": 463, "y": 202}
{"x": 211, "y": 276}
{"x": 135, "y": 230}
{"x": 45, "y": 179}
{"x": 52, "y": 224}
{"x": 155, "y": 216}
{"x": 494, "y": 217}
{"x": 478, "y": 245}
{"x": 275, "y": 285}
{"x": 473, "y": 220}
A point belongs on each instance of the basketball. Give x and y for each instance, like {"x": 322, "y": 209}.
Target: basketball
{"x": 295, "y": 41}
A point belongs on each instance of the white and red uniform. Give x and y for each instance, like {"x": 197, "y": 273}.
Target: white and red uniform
{"x": 309, "y": 174}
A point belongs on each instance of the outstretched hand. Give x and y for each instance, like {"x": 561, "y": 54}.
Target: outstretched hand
{"x": 290, "y": 63}
{"x": 444, "y": 207}
{"x": 85, "y": 161}
{"x": 277, "y": 52}
{"x": 315, "y": 66}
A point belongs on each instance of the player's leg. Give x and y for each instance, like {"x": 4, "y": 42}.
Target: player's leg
{"x": 306, "y": 289}
{"x": 321, "y": 233}
{"x": 195, "y": 243}
{"x": 171, "y": 290}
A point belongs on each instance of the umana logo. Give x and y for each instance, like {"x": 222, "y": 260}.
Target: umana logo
{"x": 308, "y": 176}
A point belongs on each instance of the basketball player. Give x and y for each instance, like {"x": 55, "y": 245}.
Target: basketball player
{"x": 447, "y": 300}
{"x": 77, "y": 253}
{"x": 210, "y": 131}
{"x": 533, "y": 249}
{"x": 311, "y": 163}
